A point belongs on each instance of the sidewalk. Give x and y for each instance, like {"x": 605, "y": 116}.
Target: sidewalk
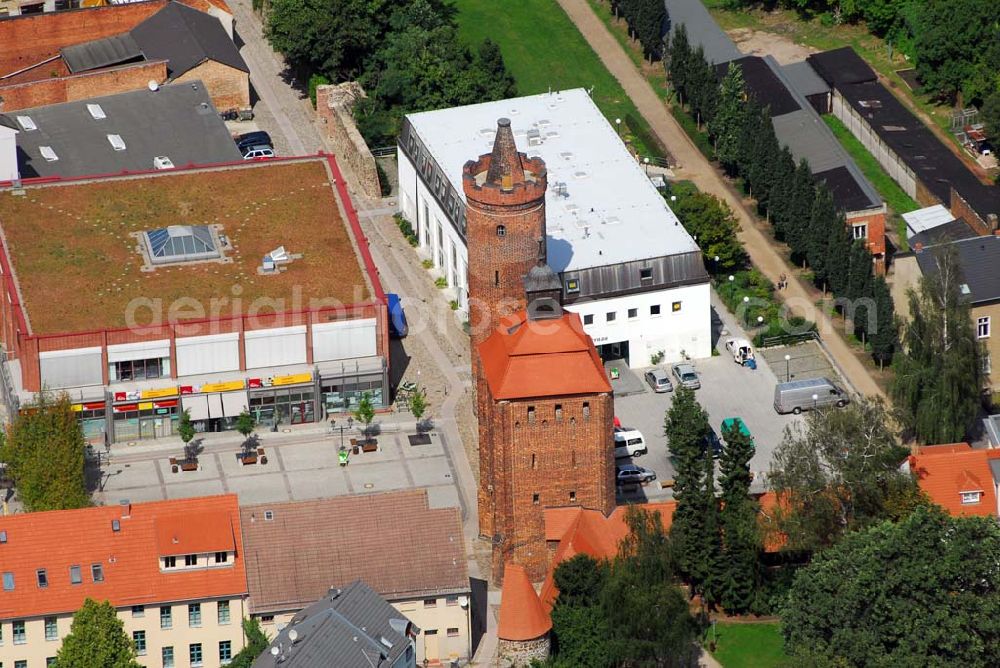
{"x": 695, "y": 167}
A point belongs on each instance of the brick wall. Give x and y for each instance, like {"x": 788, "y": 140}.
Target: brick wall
{"x": 82, "y": 86}
{"x": 228, "y": 87}
{"x": 334, "y": 109}
{"x": 875, "y": 223}
{"x": 521, "y": 653}
{"x": 961, "y": 209}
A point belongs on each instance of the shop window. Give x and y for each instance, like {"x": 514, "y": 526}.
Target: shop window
{"x": 155, "y": 367}
{"x": 646, "y": 274}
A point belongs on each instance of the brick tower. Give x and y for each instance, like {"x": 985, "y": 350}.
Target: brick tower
{"x": 544, "y": 403}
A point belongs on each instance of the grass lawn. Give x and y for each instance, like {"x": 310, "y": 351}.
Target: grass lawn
{"x": 75, "y": 257}
{"x": 544, "y": 51}
{"x": 749, "y": 645}
{"x": 893, "y": 195}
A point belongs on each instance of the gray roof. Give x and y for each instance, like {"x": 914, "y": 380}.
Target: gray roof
{"x": 8, "y": 122}
{"x": 991, "y": 425}
{"x": 186, "y": 38}
{"x": 348, "y": 628}
{"x": 177, "y": 121}
{"x": 702, "y": 30}
{"x": 804, "y": 79}
{"x": 97, "y": 53}
{"x": 978, "y": 259}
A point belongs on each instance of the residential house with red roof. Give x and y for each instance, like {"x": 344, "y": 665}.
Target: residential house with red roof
{"x": 962, "y": 480}
{"x": 174, "y": 570}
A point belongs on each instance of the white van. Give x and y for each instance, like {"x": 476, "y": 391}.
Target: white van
{"x": 629, "y": 442}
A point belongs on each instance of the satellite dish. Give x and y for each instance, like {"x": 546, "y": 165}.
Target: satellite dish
{"x": 275, "y": 651}
{"x": 293, "y": 635}
{"x": 153, "y": 86}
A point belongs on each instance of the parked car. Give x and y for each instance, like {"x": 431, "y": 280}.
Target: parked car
{"x": 629, "y": 442}
{"x": 259, "y": 151}
{"x": 742, "y": 352}
{"x": 397, "y": 318}
{"x": 631, "y": 474}
{"x": 734, "y": 423}
{"x": 808, "y": 393}
{"x": 659, "y": 380}
{"x": 686, "y": 376}
{"x": 258, "y": 138}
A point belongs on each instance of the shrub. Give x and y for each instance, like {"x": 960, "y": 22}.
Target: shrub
{"x": 385, "y": 188}
{"x": 441, "y": 282}
{"x": 427, "y": 264}
{"x": 315, "y": 81}
{"x": 453, "y": 304}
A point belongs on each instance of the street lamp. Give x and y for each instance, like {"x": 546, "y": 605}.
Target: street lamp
{"x": 746, "y": 305}
{"x": 788, "y": 377}
{"x": 645, "y": 161}
{"x": 673, "y": 199}
{"x": 815, "y": 399}
{"x": 618, "y": 126}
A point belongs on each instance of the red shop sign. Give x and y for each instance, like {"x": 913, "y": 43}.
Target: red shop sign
{"x": 165, "y": 404}
{"x": 120, "y": 396}
{"x": 187, "y": 389}
{"x": 126, "y": 407}
{"x": 254, "y": 382}
{"x": 94, "y": 406}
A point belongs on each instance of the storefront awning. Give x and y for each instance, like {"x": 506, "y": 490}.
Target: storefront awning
{"x": 197, "y": 405}
{"x": 234, "y": 403}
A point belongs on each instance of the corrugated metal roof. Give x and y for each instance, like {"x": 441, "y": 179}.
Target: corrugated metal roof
{"x": 98, "y": 53}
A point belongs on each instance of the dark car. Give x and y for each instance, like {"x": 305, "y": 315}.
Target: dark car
{"x": 259, "y": 138}
{"x": 630, "y": 474}
{"x": 397, "y": 318}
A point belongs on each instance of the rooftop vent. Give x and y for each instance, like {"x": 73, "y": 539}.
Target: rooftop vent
{"x": 180, "y": 243}
{"x": 487, "y": 132}
{"x": 48, "y": 153}
{"x": 964, "y": 287}
{"x": 534, "y": 138}
{"x": 566, "y": 155}
{"x": 162, "y": 162}
{"x": 96, "y": 112}
{"x": 580, "y": 175}
{"x": 126, "y": 507}
{"x": 544, "y": 123}
{"x": 153, "y": 86}
{"x": 385, "y": 641}
{"x": 871, "y": 104}
{"x": 26, "y": 123}
{"x": 117, "y": 142}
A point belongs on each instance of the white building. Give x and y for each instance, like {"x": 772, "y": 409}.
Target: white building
{"x": 628, "y": 267}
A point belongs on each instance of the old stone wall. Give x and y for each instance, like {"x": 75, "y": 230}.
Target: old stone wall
{"x": 334, "y": 107}
{"x": 56, "y": 90}
{"x": 520, "y": 653}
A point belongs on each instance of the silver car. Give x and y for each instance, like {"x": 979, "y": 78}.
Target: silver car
{"x": 659, "y": 380}
{"x": 686, "y": 376}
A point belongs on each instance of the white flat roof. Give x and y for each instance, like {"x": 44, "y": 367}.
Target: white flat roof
{"x": 926, "y": 219}
{"x": 601, "y": 208}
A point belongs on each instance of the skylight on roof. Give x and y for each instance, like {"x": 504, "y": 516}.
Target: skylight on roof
{"x": 180, "y": 243}
{"x": 117, "y": 142}
{"x": 96, "y": 111}
{"x": 26, "y": 123}
{"x": 48, "y": 153}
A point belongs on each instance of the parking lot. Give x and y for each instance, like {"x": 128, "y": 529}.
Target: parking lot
{"x": 727, "y": 390}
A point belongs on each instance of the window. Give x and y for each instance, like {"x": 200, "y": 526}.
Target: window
{"x": 26, "y": 123}
{"x": 167, "y": 654}
{"x": 588, "y": 319}
{"x": 8, "y": 581}
{"x": 586, "y": 409}
{"x": 223, "y": 612}
{"x": 190, "y": 559}
{"x": 534, "y": 498}
{"x": 49, "y": 661}
{"x": 572, "y": 496}
{"x": 646, "y": 274}
{"x": 501, "y": 231}
{"x": 97, "y": 572}
{"x": 48, "y": 153}
{"x": 633, "y": 313}
{"x": 860, "y": 231}
{"x": 430, "y": 602}
{"x": 453, "y": 632}
{"x": 675, "y": 307}
{"x": 96, "y": 112}
{"x": 654, "y": 309}
{"x": 221, "y": 557}
{"x": 43, "y": 578}
{"x": 267, "y": 619}
{"x": 116, "y": 142}
{"x": 166, "y": 617}
{"x": 983, "y": 327}
{"x": 194, "y": 654}
{"x": 23, "y": 663}
{"x": 225, "y": 651}
{"x": 970, "y": 497}
{"x": 138, "y": 611}
{"x": 139, "y": 640}
{"x": 194, "y": 614}
{"x": 51, "y": 628}
{"x": 75, "y": 576}
{"x": 153, "y": 367}
{"x": 572, "y": 285}
{"x": 559, "y": 411}
{"x": 531, "y": 414}
{"x": 610, "y": 316}
{"x": 169, "y": 562}
{"x": 19, "y": 633}
{"x": 451, "y": 600}
{"x": 534, "y": 463}
{"x": 268, "y": 515}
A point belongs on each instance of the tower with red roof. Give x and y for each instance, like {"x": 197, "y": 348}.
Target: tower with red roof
{"x": 544, "y": 403}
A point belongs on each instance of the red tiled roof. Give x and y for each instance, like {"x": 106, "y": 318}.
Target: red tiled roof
{"x": 194, "y": 533}
{"x": 522, "y": 616}
{"x": 310, "y": 546}
{"x": 129, "y": 558}
{"x": 542, "y": 358}
{"x": 943, "y": 472}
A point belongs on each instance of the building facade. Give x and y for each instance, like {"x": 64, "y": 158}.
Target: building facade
{"x": 173, "y": 570}
{"x": 626, "y": 264}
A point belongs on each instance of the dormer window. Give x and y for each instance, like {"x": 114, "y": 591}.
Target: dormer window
{"x": 969, "y": 498}
{"x": 190, "y": 559}
{"x": 221, "y": 557}
{"x": 169, "y": 562}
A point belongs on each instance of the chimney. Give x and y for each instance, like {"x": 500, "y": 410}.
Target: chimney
{"x": 917, "y": 247}
{"x": 126, "y": 507}
{"x": 992, "y": 223}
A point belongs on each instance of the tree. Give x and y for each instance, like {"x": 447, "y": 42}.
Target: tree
{"x": 418, "y": 405}
{"x": 678, "y": 62}
{"x": 838, "y": 256}
{"x": 493, "y": 65}
{"x": 922, "y": 592}
{"x": 729, "y": 117}
{"x": 885, "y": 336}
{"x": 365, "y": 412}
{"x": 947, "y": 47}
{"x": 937, "y": 382}
{"x": 687, "y": 430}
{"x": 245, "y": 423}
{"x": 185, "y": 429}
{"x": 741, "y": 542}
{"x": 859, "y": 272}
{"x": 800, "y": 209}
{"x": 44, "y": 451}
{"x": 96, "y": 638}
{"x": 711, "y": 222}
{"x": 817, "y": 235}
{"x": 256, "y": 644}
{"x": 990, "y": 115}
{"x": 838, "y": 474}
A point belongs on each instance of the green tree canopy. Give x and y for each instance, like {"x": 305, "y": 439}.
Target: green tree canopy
{"x": 712, "y": 223}
{"x": 44, "y": 450}
{"x": 921, "y": 592}
{"x": 838, "y": 474}
{"x": 952, "y": 36}
{"x": 729, "y": 117}
{"x": 96, "y": 638}
{"x": 739, "y": 577}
